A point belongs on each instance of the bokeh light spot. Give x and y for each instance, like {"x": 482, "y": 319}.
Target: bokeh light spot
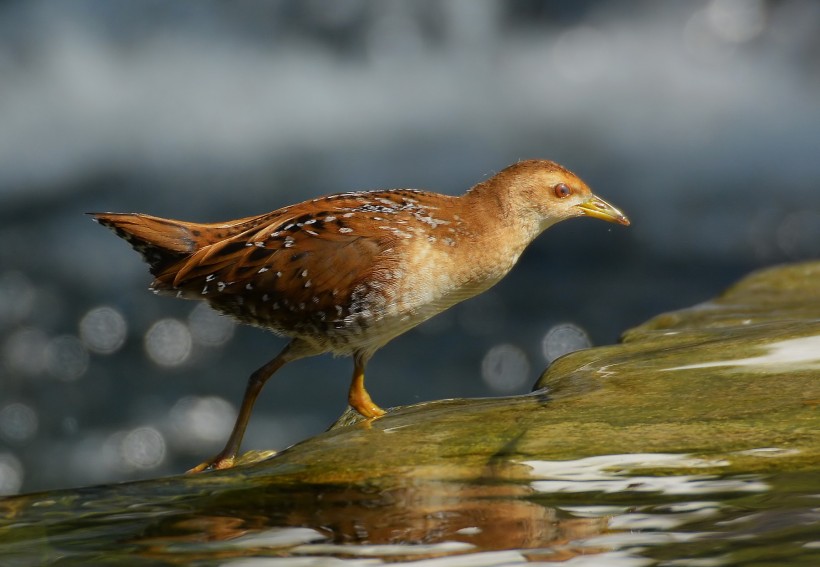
{"x": 202, "y": 420}
{"x": 11, "y": 474}
{"x": 18, "y": 422}
{"x": 505, "y": 368}
{"x": 143, "y": 448}
{"x": 103, "y": 330}
{"x": 168, "y": 342}
{"x": 16, "y": 298}
{"x": 208, "y": 327}
{"x": 24, "y": 351}
{"x": 70, "y": 425}
{"x": 563, "y": 339}
{"x": 66, "y": 358}
{"x": 798, "y": 235}
{"x": 737, "y": 21}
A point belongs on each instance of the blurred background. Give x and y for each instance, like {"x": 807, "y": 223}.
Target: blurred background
{"x": 701, "y": 120}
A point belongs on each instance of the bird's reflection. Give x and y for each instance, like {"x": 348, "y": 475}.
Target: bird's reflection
{"x": 474, "y": 516}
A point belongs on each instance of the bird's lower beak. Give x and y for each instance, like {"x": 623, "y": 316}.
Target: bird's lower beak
{"x": 600, "y": 209}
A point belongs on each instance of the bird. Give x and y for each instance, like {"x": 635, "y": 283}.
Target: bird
{"x": 346, "y": 273}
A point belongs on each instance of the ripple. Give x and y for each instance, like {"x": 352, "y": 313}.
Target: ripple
{"x": 278, "y": 537}
{"x": 614, "y": 474}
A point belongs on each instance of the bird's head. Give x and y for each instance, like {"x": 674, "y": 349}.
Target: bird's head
{"x": 550, "y": 193}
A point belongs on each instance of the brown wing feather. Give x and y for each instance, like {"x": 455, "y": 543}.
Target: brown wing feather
{"x": 279, "y": 269}
{"x": 163, "y": 242}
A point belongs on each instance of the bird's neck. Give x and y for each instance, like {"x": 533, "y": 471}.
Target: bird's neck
{"x": 499, "y": 220}
{"x": 495, "y": 236}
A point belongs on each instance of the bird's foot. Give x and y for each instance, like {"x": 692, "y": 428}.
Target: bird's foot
{"x": 219, "y": 462}
{"x": 368, "y": 409}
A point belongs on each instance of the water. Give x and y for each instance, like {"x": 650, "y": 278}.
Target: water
{"x": 608, "y": 510}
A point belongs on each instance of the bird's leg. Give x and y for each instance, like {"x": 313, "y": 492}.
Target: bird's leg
{"x": 225, "y": 459}
{"x": 357, "y": 397}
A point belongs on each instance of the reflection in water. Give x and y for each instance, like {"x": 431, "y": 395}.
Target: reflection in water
{"x": 422, "y": 519}
{"x": 677, "y": 516}
{"x": 486, "y": 521}
{"x": 494, "y": 519}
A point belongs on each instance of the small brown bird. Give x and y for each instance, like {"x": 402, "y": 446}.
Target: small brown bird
{"x": 347, "y": 273}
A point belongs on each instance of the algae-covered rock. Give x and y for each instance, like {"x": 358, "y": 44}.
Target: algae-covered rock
{"x": 734, "y": 374}
{"x": 696, "y": 435}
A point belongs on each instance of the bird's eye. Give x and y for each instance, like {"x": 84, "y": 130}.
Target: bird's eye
{"x": 562, "y": 190}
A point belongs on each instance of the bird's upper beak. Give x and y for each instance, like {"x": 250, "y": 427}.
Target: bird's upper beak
{"x": 600, "y": 209}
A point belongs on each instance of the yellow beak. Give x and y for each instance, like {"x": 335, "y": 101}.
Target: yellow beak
{"x": 598, "y": 208}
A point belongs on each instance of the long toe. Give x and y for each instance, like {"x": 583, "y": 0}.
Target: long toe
{"x": 370, "y": 411}
{"x": 217, "y": 463}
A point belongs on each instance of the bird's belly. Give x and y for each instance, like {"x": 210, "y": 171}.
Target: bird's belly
{"x": 373, "y": 313}
{"x": 411, "y": 307}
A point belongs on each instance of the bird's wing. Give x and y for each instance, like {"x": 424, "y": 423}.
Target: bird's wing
{"x": 317, "y": 254}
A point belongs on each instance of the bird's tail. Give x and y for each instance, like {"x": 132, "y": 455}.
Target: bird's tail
{"x": 162, "y": 242}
